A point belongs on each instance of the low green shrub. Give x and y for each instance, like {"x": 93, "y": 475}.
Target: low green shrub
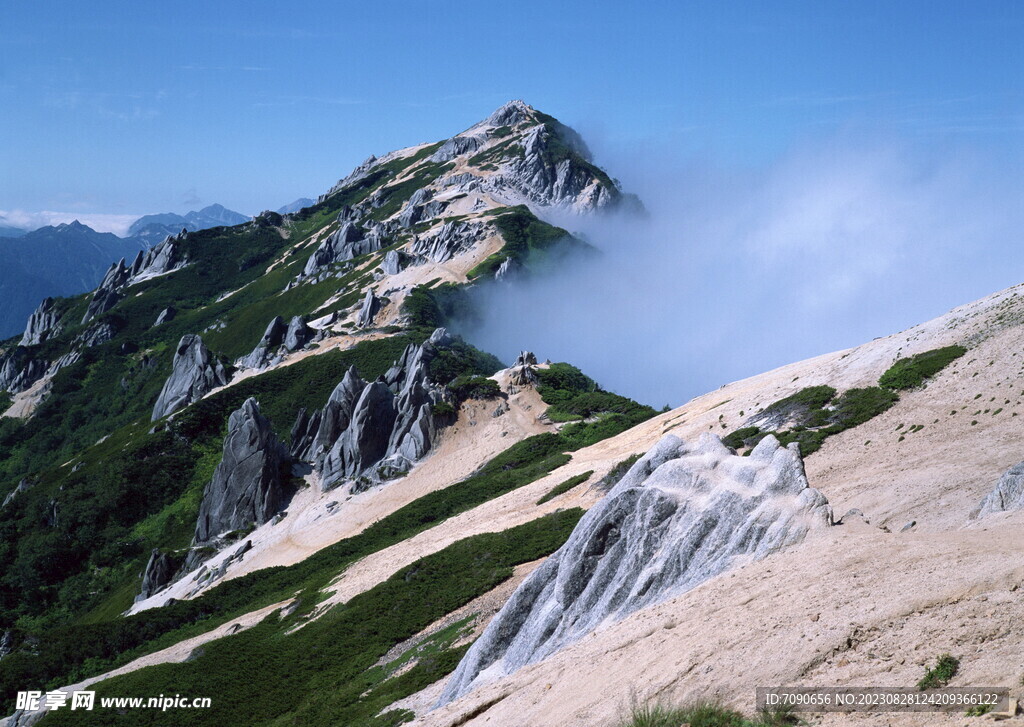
{"x": 565, "y": 486}
{"x": 946, "y": 667}
{"x": 908, "y": 373}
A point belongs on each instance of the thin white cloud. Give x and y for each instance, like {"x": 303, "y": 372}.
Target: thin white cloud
{"x": 101, "y": 222}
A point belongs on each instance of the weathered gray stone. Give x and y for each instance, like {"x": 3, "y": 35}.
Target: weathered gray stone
{"x": 166, "y": 316}
{"x": 456, "y": 147}
{"x": 313, "y": 436}
{"x": 368, "y": 310}
{"x": 159, "y": 259}
{"x": 393, "y": 263}
{"x": 451, "y": 239}
{"x": 681, "y": 515}
{"x": 19, "y": 370}
{"x": 249, "y": 485}
{"x": 348, "y": 242}
{"x": 43, "y": 324}
{"x": 1008, "y": 493}
{"x": 365, "y": 441}
{"x": 195, "y": 372}
{"x": 298, "y": 334}
{"x": 107, "y": 295}
{"x": 23, "y": 485}
{"x": 159, "y": 572}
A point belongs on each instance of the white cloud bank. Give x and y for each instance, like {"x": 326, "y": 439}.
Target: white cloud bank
{"x": 118, "y": 224}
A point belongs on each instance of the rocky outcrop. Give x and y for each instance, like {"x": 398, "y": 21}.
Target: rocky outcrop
{"x": 166, "y": 316}
{"x": 371, "y": 432}
{"x": 357, "y": 174}
{"x": 249, "y": 485}
{"x": 513, "y": 113}
{"x": 23, "y": 486}
{"x": 365, "y": 442}
{"x": 368, "y": 310}
{"x": 451, "y": 239}
{"x": 19, "y": 370}
{"x": 456, "y": 147}
{"x": 159, "y": 259}
{"x": 195, "y": 372}
{"x": 159, "y": 572}
{"x": 523, "y": 373}
{"x": 681, "y": 515}
{"x": 278, "y": 340}
{"x": 393, "y": 263}
{"x": 43, "y": 324}
{"x": 348, "y": 242}
{"x": 108, "y": 293}
{"x": 1008, "y": 493}
{"x": 313, "y": 436}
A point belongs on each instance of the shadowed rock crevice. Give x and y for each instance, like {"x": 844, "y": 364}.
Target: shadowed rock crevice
{"x": 195, "y": 372}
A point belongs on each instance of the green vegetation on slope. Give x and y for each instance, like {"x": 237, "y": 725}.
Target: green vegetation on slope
{"x": 528, "y": 242}
{"x": 325, "y": 673}
{"x": 908, "y": 373}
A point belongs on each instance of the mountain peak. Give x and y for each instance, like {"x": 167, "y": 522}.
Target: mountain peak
{"x": 514, "y": 112}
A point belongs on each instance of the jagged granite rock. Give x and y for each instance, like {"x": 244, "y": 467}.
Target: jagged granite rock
{"x": 451, "y": 239}
{"x": 166, "y": 316}
{"x": 43, "y": 324}
{"x": 264, "y": 352}
{"x": 371, "y": 432}
{"x": 313, "y": 435}
{"x": 368, "y": 310}
{"x": 248, "y": 486}
{"x": 298, "y": 334}
{"x": 97, "y": 335}
{"x": 19, "y": 370}
{"x": 681, "y": 515}
{"x": 393, "y": 263}
{"x": 107, "y": 294}
{"x": 512, "y": 113}
{"x": 360, "y": 172}
{"x": 365, "y": 441}
{"x": 456, "y": 147}
{"x": 159, "y": 259}
{"x": 1008, "y": 493}
{"x": 348, "y": 242}
{"x": 195, "y": 372}
{"x": 23, "y": 486}
{"x": 159, "y": 572}
{"x": 526, "y": 358}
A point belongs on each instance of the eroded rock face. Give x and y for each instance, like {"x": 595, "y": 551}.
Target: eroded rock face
{"x": 348, "y": 242}
{"x": 160, "y": 570}
{"x": 108, "y": 293}
{"x": 681, "y": 515}
{"x": 159, "y": 259}
{"x": 249, "y": 485}
{"x": 43, "y": 324}
{"x": 19, "y": 370}
{"x": 195, "y": 373}
{"x": 368, "y": 310}
{"x": 278, "y": 340}
{"x": 370, "y": 432}
{"x": 1008, "y": 493}
{"x": 451, "y": 239}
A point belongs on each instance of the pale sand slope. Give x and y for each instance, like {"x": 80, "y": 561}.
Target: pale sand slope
{"x": 316, "y": 519}
{"x": 935, "y": 476}
{"x": 851, "y": 606}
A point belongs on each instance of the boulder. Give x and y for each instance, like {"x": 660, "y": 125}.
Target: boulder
{"x": 450, "y": 240}
{"x": 43, "y": 324}
{"x": 1008, "y": 493}
{"x": 368, "y": 310}
{"x": 365, "y": 441}
{"x": 393, "y": 263}
{"x": 159, "y": 572}
{"x": 166, "y": 316}
{"x": 249, "y": 485}
{"x": 456, "y": 147}
{"x": 348, "y": 242}
{"x": 681, "y": 515}
{"x": 298, "y": 334}
{"x": 314, "y": 435}
{"x": 195, "y": 372}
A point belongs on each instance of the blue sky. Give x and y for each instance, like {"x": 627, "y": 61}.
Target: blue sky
{"x": 124, "y": 108}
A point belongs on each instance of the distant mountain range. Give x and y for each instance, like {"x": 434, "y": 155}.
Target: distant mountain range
{"x": 53, "y": 261}
{"x": 300, "y": 203}
{"x": 151, "y": 229}
{"x": 68, "y": 259}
